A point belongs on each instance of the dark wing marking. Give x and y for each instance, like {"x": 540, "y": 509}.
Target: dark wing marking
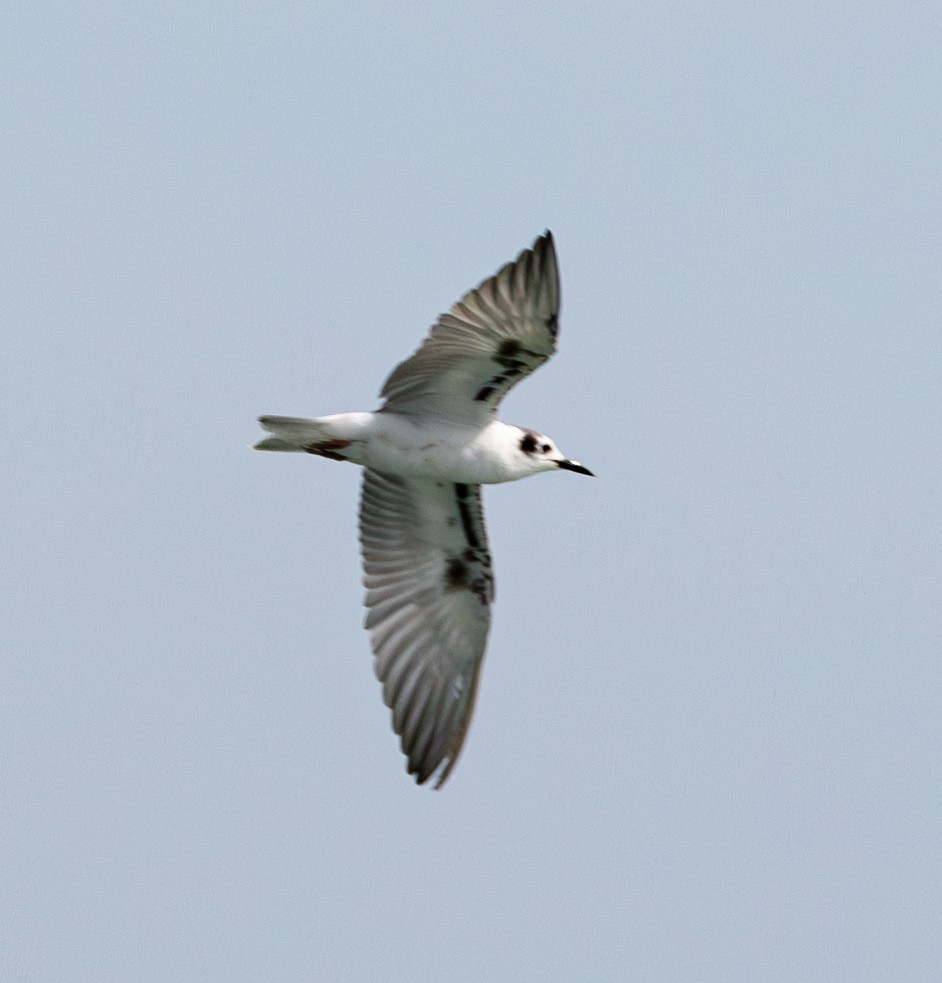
{"x": 490, "y": 339}
{"x": 429, "y": 584}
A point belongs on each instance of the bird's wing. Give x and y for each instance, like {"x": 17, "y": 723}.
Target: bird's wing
{"x": 494, "y": 336}
{"x": 429, "y": 584}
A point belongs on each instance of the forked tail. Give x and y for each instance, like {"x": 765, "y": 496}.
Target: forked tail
{"x": 291, "y": 433}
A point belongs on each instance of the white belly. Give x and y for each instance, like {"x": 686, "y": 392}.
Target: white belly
{"x": 410, "y": 447}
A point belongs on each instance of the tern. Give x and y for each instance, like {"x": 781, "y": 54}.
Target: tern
{"x": 426, "y": 452}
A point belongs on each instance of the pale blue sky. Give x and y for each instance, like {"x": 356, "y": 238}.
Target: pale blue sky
{"x": 708, "y": 743}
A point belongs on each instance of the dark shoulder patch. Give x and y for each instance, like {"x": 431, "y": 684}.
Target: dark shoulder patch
{"x": 456, "y": 574}
{"x": 465, "y": 497}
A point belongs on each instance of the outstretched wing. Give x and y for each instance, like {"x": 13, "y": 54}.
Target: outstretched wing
{"x": 429, "y": 584}
{"x": 492, "y": 338}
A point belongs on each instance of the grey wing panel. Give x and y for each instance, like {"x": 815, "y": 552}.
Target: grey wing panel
{"x": 493, "y": 337}
{"x": 429, "y": 584}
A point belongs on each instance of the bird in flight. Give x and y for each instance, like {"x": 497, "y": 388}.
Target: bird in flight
{"x": 426, "y": 452}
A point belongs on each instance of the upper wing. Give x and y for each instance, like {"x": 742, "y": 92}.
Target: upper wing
{"x": 493, "y": 337}
{"x": 429, "y": 584}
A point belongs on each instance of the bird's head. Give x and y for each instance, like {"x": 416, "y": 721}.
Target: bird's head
{"x": 537, "y": 452}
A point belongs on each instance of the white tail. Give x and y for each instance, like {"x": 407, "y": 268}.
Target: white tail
{"x": 292, "y": 433}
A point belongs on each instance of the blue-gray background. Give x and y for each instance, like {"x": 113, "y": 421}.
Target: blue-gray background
{"x": 707, "y": 744}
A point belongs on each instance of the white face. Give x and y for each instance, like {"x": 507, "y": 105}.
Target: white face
{"x": 539, "y": 450}
{"x": 541, "y": 454}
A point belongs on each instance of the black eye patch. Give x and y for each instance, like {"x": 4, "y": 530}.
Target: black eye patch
{"x": 528, "y": 443}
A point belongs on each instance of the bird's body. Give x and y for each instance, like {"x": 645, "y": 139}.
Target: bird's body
{"x": 415, "y": 447}
{"x": 426, "y": 452}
